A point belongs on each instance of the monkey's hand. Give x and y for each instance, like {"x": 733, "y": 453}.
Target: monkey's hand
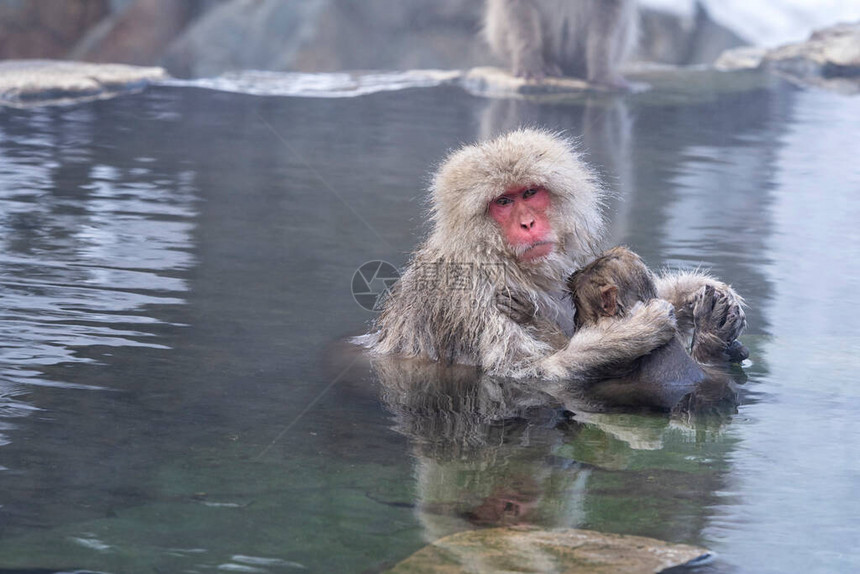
{"x": 684, "y": 289}
{"x": 718, "y": 320}
{"x": 612, "y": 342}
{"x": 517, "y": 307}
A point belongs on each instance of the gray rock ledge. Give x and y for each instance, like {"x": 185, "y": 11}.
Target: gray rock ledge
{"x": 830, "y": 58}
{"x": 25, "y": 83}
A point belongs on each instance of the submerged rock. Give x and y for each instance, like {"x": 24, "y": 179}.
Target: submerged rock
{"x": 830, "y": 58}
{"x": 29, "y": 82}
{"x": 529, "y": 549}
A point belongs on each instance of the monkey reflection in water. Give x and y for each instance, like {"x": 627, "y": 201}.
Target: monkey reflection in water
{"x": 497, "y": 451}
{"x": 484, "y": 447}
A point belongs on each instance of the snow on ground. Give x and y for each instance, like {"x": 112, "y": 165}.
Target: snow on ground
{"x": 767, "y": 23}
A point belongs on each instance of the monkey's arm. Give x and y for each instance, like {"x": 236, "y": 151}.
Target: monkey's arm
{"x": 611, "y": 342}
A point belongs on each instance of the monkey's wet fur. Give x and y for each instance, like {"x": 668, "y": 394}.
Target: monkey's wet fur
{"x": 511, "y": 218}
{"x": 608, "y": 287}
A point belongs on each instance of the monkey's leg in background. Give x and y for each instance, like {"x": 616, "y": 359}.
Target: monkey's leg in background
{"x": 606, "y": 42}
{"x": 514, "y": 29}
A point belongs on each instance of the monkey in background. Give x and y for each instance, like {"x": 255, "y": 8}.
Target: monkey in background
{"x": 586, "y": 39}
{"x": 515, "y": 216}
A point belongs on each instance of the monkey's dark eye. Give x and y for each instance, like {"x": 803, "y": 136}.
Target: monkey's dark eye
{"x": 529, "y": 192}
{"x": 504, "y": 201}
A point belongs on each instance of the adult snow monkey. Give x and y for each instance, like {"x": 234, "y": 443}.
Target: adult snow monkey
{"x": 511, "y": 219}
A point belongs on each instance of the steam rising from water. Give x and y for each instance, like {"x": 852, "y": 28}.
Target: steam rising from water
{"x": 334, "y": 85}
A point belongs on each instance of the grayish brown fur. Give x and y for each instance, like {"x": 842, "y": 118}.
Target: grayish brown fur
{"x": 619, "y": 269}
{"x": 437, "y": 321}
{"x": 604, "y": 291}
{"x": 716, "y": 316}
{"x": 606, "y": 288}
{"x": 582, "y": 38}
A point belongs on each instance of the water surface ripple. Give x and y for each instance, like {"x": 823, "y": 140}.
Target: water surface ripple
{"x": 175, "y": 271}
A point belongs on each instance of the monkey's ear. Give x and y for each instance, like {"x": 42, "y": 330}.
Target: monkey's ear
{"x": 609, "y": 300}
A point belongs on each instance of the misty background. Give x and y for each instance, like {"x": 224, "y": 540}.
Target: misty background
{"x": 201, "y": 38}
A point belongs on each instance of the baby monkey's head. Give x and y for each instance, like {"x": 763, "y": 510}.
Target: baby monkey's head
{"x": 609, "y": 286}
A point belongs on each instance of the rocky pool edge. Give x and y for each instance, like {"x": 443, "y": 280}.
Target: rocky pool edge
{"x": 26, "y": 83}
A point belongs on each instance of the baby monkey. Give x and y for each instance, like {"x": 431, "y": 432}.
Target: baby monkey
{"x": 611, "y": 285}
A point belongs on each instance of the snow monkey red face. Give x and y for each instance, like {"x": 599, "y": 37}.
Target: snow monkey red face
{"x": 523, "y": 215}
